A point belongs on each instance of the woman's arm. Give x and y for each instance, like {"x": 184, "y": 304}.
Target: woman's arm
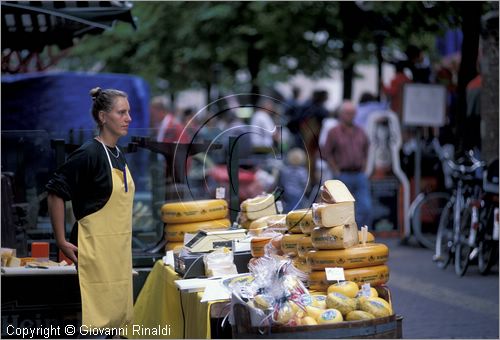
{"x": 56, "y": 212}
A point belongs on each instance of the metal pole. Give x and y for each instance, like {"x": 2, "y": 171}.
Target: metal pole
{"x": 233, "y": 167}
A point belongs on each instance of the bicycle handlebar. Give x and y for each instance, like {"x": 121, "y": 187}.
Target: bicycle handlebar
{"x": 466, "y": 169}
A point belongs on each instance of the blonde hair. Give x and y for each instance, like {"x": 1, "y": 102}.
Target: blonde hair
{"x": 296, "y": 156}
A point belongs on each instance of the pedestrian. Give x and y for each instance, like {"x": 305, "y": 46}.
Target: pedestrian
{"x": 265, "y": 132}
{"x": 346, "y": 150}
{"x": 293, "y": 179}
{"x": 171, "y": 130}
{"x": 97, "y": 180}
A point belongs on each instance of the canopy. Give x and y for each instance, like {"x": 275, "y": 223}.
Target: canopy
{"x": 32, "y": 25}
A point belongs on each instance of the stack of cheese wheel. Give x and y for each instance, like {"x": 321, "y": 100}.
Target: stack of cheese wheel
{"x": 190, "y": 217}
{"x": 254, "y": 208}
{"x": 338, "y": 243}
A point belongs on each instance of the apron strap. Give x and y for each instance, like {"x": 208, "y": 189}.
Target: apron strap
{"x": 107, "y": 154}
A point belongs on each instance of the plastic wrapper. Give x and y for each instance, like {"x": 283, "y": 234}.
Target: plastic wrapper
{"x": 219, "y": 263}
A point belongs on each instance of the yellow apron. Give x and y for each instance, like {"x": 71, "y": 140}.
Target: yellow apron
{"x": 105, "y": 257}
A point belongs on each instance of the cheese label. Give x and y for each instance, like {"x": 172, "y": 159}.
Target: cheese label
{"x": 335, "y": 274}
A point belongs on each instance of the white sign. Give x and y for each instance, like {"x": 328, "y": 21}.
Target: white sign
{"x": 424, "y": 105}
{"x": 335, "y": 274}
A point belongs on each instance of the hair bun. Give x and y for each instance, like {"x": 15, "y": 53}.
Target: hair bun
{"x": 95, "y": 92}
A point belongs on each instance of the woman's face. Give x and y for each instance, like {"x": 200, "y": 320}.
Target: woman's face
{"x": 118, "y": 119}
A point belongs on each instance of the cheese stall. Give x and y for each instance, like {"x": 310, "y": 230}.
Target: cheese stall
{"x": 311, "y": 273}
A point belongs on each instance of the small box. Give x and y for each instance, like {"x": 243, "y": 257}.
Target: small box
{"x": 40, "y": 250}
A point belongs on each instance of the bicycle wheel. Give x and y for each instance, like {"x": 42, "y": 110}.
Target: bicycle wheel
{"x": 462, "y": 248}
{"x": 426, "y": 216}
{"x": 444, "y": 238}
{"x": 488, "y": 247}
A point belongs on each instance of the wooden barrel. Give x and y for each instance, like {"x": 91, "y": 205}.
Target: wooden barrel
{"x": 389, "y": 327}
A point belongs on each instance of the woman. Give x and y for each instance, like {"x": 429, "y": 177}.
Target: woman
{"x": 97, "y": 181}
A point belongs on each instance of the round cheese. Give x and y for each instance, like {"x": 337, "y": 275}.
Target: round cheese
{"x": 358, "y": 315}
{"x": 330, "y": 316}
{"x": 289, "y": 243}
{"x": 376, "y": 306}
{"x": 341, "y": 302}
{"x": 300, "y": 221}
{"x": 272, "y": 221}
{"x": 328, "y": 238}
{"x": 348, "y": 288}
{"x": 175, "y": 232}
{"x": 193, "y": 211}
{"x": 304, "y": 245}
{"x": 371, "y": 254}
{"x": 375, "y": 275}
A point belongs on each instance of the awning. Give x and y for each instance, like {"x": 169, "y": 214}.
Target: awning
{"x": 32, "y": 25}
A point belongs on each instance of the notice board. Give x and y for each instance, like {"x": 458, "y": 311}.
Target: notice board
{"x": 424, "y": 105}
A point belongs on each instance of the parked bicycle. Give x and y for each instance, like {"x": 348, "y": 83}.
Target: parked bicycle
{"x": 458, "y": 225}
{"x": 426, "y": 208}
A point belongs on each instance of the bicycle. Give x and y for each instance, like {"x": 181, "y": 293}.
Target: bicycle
{"x": 427, "y": 207}
{"x": 458, "y": 226}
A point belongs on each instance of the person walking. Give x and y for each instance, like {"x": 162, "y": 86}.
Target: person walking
{"x": 97, "y": 180}
{"x": 346, "y": 151}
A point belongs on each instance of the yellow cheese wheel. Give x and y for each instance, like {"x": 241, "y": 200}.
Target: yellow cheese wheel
{"x": 300, "y": 221}
{"x": 314, "y": 312}
{"x": 319, "y": 301}
{"x": 348, "y": 288}
{"x": 333, "y": 215}
{"x": 330, "y": 316}
{"x": 174, "y": 245}
{"x": 369, "y": 237}
{"x": 375, "y": 275}
{"x": 308, "y": 321}
{"x": 304, "y": 245}
{"x": 257, "y": 245}
{"x": 175, "y": 232}
{"x": 371, "y": 254}
{"x": 273, "y": 221}
{"x": 193, "y": 211}
{"x": 340, "y": 237}
{"x": 259, "y": 206}
{"x": 376, "y": 306}
{"x": 358, "y": 315}
{"x": 341, "y": 302}
{"x": 289, "y": 243}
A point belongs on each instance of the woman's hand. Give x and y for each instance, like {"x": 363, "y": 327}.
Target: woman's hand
{"x": 70, "y": 250}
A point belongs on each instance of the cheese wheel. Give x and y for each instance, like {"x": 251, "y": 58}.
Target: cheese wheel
{"x": 371, "y": 254}
{"x": 300, "y": 221}
{"x": 333, "y": 215}
{"x": 358, "y": 315}
{"x": 193, "y": 211}
{"x": 289, "y": 243}
{"x": 257, "y": 245}
{"x": 319, "y": 301}
{"x": 272, "y": 221}
{"x": 375, "y": 275}
{"x": 175, "y": 232}
{"x": 340, "y": 237}
{"x": 330, "y": 316}
{"x": 174, "y": 245}
{"x": 304, "y": 246}
{"x": 376, "y": 306}
{"x": 341, "y": 302}
{"x": 308, "y": 321}
{"x": 259, "y": 206}
{"x": 348, "y": 288}
{"x": 335, "y": 191}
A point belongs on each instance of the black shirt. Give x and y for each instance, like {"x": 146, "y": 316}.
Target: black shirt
{"x": 85, "y": 178}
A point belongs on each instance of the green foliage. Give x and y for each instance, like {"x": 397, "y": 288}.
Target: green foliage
{"x": 193, "y": 44}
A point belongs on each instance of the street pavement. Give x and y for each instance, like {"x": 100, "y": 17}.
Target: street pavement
{"x": 436, "y": 303}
